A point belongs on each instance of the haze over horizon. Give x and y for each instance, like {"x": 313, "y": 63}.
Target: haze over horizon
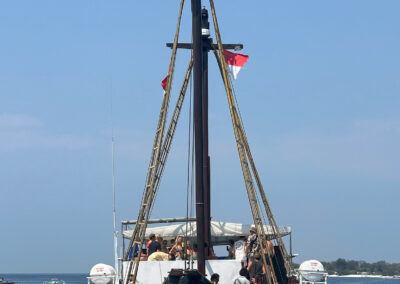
{"x": 319, "y": 97}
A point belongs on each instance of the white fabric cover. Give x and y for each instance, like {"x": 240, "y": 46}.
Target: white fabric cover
{"x": 101, "y": 274}
{"x": 221, "y": 232}
{"x": 102, "y": 269}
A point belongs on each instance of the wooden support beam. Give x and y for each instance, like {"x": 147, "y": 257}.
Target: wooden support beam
{"x": 234, "y": 46}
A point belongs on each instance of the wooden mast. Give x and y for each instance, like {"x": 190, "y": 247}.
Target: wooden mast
{"x": 201, "y": 45}
{"x": 206, "y": 46}
{"x": 198, "y": 130}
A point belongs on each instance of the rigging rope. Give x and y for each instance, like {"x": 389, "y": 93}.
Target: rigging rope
{"x": 137, "y": 238}
{"x": 247, "y": 156}
{"x": 242, "y": 147}
{"x": 188, "y": 205}
{"x": 244, "y": 134}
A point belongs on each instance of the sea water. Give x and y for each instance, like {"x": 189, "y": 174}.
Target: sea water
{"x": 361, "y": 280}
{"x": 39, "y": 278}
{"x": 80, "y": 278}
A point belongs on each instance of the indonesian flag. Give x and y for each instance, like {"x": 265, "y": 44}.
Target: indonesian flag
{"x": 235, "y": 61}
{"x": 164, "y": 83}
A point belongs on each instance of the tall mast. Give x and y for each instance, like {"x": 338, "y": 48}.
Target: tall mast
{"x": 206, "y": 46}
{"x": 201, "y": 45}
{"x": 198, "y": 130}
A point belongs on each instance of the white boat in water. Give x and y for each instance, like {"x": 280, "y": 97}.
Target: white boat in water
{"x": 156, "y": 271}
{"x": 200, "y": 230}
{"x": 54, "y": 281}
{"x": 221, "y": 234}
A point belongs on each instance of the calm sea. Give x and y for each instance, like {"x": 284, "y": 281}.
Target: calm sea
{"x": 39, "y": 278}
{"x": 76, "y": 278}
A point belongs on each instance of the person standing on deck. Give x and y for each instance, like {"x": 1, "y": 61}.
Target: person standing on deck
{"x": 177, "y": 249}
{"x": 240, "y": 253}
{"x": 159, "y": 239}
{"x": 252, "y": 243}
{"x": 269, "y": 249}
{"x": 153, "y": 246}
{"x": 243, "y": 277}
{"x": 231, "y": 249}
{"x": 256, "y": 266}
{"x": 164, "y": 247}
{"x": 172, "y": 243}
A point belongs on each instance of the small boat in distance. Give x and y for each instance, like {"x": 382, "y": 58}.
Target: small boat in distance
{"x": 2, "y": 281}
{"x": 54, "y": 281}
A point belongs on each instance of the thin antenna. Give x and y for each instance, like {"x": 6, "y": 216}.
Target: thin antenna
{"x": 113, "y": 190}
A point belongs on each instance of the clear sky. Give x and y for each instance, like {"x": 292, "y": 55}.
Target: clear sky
{"x": 319, "y": 96}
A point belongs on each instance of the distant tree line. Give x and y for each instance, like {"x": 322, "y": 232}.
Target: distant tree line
{"x": 345, "y": 267}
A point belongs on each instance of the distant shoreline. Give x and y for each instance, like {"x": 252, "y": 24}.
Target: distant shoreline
{"x": 365, "y": 276}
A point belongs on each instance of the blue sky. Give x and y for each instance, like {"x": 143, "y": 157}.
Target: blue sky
{"x": 319, "y": 98}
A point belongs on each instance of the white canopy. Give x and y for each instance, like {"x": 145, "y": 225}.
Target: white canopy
{"x": 221, "y": 232}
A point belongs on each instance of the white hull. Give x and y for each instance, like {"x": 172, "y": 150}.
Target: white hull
{"x": 154, "y": 272}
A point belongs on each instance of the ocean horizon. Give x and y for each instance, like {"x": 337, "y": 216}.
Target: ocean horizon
{"x": 35, "y": 278}
{"x": 81, "y": 278}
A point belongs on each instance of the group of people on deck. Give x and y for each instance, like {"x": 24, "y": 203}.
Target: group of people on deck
{"x": 157, "y": 249}
{"x": 247, "y": 250}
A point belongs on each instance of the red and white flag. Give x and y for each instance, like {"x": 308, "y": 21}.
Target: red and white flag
{"x": 164, "y": 83}
{"x": 235, "y": 61}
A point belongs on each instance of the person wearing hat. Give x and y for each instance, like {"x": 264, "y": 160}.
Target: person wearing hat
{"x": 252, "y": 242}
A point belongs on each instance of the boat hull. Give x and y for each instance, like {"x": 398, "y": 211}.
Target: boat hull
{"x": 155, "y": 271}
